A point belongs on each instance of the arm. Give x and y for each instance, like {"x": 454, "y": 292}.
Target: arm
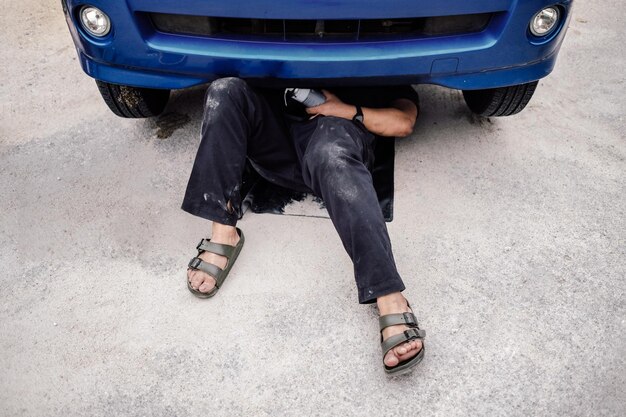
{"x": 397, "y": 120}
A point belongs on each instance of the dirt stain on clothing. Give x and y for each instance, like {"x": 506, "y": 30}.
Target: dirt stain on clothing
{"x": 168, "y": 123}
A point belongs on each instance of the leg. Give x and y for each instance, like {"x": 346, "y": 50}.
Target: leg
{"x": 335, "y": 168}
{"x": 238, "y": 123}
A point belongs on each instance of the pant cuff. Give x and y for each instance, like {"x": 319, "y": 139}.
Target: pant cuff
{"x": 369, "y": 294}
{"x": 222, "y": 217}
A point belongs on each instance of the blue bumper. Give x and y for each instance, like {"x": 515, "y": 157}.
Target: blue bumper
{"x": 135, "y": 53}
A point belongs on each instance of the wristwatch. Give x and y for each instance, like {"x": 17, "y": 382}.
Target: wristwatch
{"x": 358, "y": 117}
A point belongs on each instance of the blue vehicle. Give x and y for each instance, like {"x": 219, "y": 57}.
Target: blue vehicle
{"x": 493, "y": 50}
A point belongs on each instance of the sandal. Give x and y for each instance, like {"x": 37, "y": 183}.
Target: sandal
{"x": 413, "y": 333}
{"x": 219, "y": 274}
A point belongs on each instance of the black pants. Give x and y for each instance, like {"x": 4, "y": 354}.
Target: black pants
{"x": 328, "y": 156}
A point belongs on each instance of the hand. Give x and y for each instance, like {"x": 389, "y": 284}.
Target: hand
{"x": 333, "y": 107}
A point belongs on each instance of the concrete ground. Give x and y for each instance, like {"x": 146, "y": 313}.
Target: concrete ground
{"x": 509, "y": 233}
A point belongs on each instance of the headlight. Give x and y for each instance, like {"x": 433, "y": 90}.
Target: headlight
{"x": 95, "y": 21}
{"x": 545, "y": 21}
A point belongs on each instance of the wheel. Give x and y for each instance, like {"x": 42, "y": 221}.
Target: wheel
{"x": 503, "y": 101}
{"x": 133, "y": 102}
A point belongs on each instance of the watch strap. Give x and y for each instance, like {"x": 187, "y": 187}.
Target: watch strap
{"x": 358, "y": 117}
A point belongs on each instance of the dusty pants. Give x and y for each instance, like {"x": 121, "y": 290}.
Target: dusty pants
{"x": 328, "y": 156}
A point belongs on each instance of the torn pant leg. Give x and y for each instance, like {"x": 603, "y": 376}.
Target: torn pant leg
{"x": 335, "y": 167}
{"x": 238, "y": 122}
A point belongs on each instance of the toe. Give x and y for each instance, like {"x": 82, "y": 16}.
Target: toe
{"x": 414, "y": 350}
{"x": 391, "y": 359}
{"x": 417, "y": 345}
{"x": 201, "y": 281}
{"x": 402, "y": 349}
{"x": 207, "y": 285}
{"x": 193, "y": 278}
{"x": 197, "y": 279}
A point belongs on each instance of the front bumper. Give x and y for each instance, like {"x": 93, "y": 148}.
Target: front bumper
{"x": 134, "y": 53}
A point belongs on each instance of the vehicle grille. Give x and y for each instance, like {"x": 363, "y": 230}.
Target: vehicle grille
{"x": 319, "y": 30}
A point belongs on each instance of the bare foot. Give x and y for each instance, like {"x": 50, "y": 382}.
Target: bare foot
{"x": 393, "y": 304}
{"x": 202, "y": 281}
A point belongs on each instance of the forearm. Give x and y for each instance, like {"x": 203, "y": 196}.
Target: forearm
{"x": 396, "y": 120}
{"x": 388, "y": 122}
{"x": 384, "y": 122}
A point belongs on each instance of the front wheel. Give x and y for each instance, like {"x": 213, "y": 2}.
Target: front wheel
{"x": 503, "y": 101}
{"x": 133, "y": 102}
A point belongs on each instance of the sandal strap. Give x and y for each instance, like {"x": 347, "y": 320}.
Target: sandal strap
{"x": 397, "y": 339}
{"x": 206, "y": 245}
{"x": 213, "y": 270}
{"x": 407, "y": 318}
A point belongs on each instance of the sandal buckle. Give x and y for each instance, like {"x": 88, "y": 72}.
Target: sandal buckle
{"x": 194, "y": 263}
{"x": 200, "y": 244}
{"x": 411, "y": 334}
{"x": 409, "y": 319}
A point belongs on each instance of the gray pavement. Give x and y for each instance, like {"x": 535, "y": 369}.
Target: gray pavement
{"x": 509, "y": 233}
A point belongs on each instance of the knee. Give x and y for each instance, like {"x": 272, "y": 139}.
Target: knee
{"x": 335, "y": 145}
{"x": 329, "y": 169}
{"x": 328, "y": 156}
{"x": 224, "y": 89}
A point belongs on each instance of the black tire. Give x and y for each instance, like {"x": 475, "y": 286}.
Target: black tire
{"x": 133, "y": 102}
{"x": 504, "y": 101}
